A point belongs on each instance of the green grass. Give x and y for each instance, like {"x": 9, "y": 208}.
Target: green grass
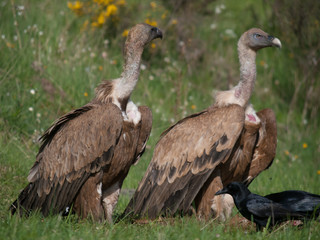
{"x": 61, "y": 63}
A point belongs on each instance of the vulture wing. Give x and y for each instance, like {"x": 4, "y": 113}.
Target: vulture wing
{"x": 265, "y": 150}
{"x": 79, "y": 144}
{"x": 145, "y": 130}
{"x": 184, "y": 158}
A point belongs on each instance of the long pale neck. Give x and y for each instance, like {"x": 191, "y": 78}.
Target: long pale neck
{"x": 131, "y": 70}
{"x": 247, "y": 58}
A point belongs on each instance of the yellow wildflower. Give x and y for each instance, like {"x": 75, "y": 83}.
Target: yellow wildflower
{"x": 100, "y": 68}
{"x": 85, "y": 94}
{"x": 121, "y": 2}
{"x": 262, "y": 63}
{"x": 94, "y": 24}
{"x": 85, "y": 25}
{"x": 150, "y": 22}
{"x": 153, "y": 45}
{"x": 125, "y": 33}
{"x": 318, "y": 172}
{"x": 164, "y": 15}
{"x": 174, "y": 21}
{"x": 113, "y": 62}
{"x": 286, "y": 152}
{"x": 101, "y": 19}
{"x": 304, "y": 145}
{"x": 103, "y": 2}
{"x": 295, "y": 156}
{"x": 111, "y": 10}
{"x": 9, "y": 45}
{"x": 193, "y": 107}
{"x": 76, "y": 7}
{"x": 153, "y": 5}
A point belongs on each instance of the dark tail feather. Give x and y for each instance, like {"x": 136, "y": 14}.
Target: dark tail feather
{"x": 19, "y": 205}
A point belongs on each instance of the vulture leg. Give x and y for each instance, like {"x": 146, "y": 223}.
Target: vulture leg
{"x": 110, "y": 198}
{"x": 205, "y": 197}
{"x": 88, "y": 201}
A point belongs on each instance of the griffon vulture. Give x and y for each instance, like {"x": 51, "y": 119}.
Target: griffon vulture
{"x": 187, "y": 154}
{"x": 253, "y": 153}
{"x": 86, "y": 154}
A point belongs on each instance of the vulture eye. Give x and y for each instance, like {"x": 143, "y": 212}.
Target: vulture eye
{"x": 257, "y": 36}
{"x": 153, "y": 29}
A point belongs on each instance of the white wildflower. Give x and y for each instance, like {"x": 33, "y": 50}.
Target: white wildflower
{"x": 32, "y": 91}
{"x": 151, "y": 77}
{"x": 213, "y": 26}
{"x": 104, "y": 55}
{"x": 15, "y": 37}
{"x": 143, "y": 67}
{"x": 40, "y": 33}
{"x": 3, "y": 36}
{"x": 30, "y": 109}
{"x": 230, "y": 33}
{"x": 217, "y": 10}
{"x": 167, "y": 60}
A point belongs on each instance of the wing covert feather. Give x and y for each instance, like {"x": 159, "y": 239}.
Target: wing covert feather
{"x": 182, "y": 149}
{"x": 78, "y": 146}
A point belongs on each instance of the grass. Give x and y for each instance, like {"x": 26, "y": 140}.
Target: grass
{"x": 51, "y": 67}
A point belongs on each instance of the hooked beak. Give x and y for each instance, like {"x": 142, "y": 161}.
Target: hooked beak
{"x": 274, "y": 41}
{"x": 157, "y": 33}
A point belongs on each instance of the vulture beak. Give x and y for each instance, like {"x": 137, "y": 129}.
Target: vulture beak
{"x": 157, "y": 33}
{"x": 222, "y": 191}
{"x": 274, "y": 41}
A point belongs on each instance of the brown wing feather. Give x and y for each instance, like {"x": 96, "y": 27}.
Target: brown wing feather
{"x": 145, "y": 130}
{"x": 78, "y": 144}
{"x": 265, "y": 150}
{"x": 184, "y": 158}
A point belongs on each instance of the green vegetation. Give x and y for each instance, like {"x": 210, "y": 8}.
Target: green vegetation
{"x": 50, "y": 64}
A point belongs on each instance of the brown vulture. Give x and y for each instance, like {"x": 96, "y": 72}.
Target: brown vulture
{"x": 190, "y": 155}
{"x": 86, "y": 154}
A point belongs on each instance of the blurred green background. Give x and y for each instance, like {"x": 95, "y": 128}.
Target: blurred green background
{"x": 54, "y": 53}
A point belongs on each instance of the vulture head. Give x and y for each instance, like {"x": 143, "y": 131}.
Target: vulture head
{"x": 256, "y": 39}
{"x": 142, "y": 34}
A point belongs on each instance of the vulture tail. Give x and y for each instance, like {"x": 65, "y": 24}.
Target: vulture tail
{"x": 26, "y": 200}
